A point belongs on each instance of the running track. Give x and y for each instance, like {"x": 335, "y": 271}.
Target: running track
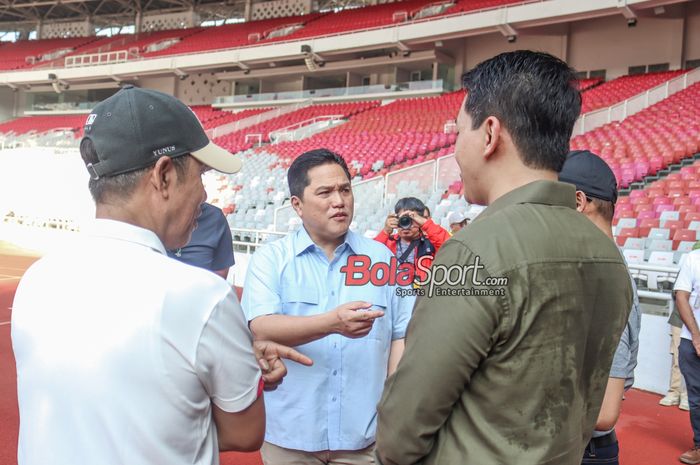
{"x": 649, "y": 434}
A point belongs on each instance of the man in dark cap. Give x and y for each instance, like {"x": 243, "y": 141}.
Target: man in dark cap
{"x": 123, "y": 354}
{"x": 596, "y": 194}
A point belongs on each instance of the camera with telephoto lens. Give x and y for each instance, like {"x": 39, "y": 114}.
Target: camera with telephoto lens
{"x": 405, "y": 222}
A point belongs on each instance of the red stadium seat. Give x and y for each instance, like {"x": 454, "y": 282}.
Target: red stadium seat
{"x": 683, "y": 235}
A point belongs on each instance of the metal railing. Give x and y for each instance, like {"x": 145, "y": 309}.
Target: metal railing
{"x": 333, "y": 92}
{"x": 430, "y": 175}
{"x": 258, "y": 137}
{"x": 62, "y": 106}
{"x": 297, "y": 131}
{"x": 91, "y": 59}
{"x": 282, "y": 216}
{"x": 256, "y": 238}
{"x": 668, "y": 273}
{"x": 421, "y": 174}
{"x": 619, "y": 111}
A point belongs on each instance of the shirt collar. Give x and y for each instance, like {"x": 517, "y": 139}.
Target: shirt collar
{"x": 302, "y": 241}
{"x": 540, "y": 192}
{"x": 122, "y": 231}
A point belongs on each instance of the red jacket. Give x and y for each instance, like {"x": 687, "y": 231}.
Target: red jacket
{"x": 435, "y": 233}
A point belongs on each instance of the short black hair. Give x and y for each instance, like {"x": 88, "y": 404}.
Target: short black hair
{"x": 120, "y": 186}
{"x": 534, "y": 95}
{"x": 410, "y": 203}
{"x": 298, "y": 174}
{"x": 605, "y": 208}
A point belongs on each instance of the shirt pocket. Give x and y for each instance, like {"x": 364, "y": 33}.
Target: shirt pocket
{"x": 300, "y": 301}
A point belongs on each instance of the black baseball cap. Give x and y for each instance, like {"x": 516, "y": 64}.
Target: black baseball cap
{"x": 133, "y": 128}
{"x": 590, "y": 174}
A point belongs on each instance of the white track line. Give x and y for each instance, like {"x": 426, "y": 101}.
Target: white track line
{"x": 4, "y": 323}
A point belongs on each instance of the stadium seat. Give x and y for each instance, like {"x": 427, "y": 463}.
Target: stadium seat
{"x": 646, "y": 225}
{"x": 684, "y": 235}
{"x": 633, "y": 255}
{"x": 683, "y": 248}
{"x": 634, "y": 243}
{"x": 657, "y": 233}
{"x": 668, "y": 215}
{"x": 627, "y": 223}
{"x": 626, "y": 233}
{"x": 654, "y": 280}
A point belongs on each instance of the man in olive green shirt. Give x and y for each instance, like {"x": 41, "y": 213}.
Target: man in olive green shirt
{"x": 511, "y": 373}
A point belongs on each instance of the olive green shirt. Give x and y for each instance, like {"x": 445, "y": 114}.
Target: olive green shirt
{"x": 516, "y": 378}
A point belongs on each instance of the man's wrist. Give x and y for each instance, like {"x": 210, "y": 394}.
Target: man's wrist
{"x": 331, "y": 322}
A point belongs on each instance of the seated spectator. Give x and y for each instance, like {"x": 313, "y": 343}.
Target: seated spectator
{"x": 418, "y": 235}
{"x": 457, "y": 221}
{"x": 211, "y": 245}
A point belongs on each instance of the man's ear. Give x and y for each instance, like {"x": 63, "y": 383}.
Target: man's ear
{"x": 492, "y": 135}
{"x": 581, "y": 201}
{"x": 163, "y": 176}
{"x": 296, "y": 204}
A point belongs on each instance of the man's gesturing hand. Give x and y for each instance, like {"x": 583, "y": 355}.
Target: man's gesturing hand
{"x": 354, "y": 320}
{"x": 269, "y": 356}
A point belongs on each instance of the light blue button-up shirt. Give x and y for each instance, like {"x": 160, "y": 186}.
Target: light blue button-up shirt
{"x": 332, "y": 404}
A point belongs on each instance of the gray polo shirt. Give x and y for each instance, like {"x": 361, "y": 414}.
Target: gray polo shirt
{"x": 625, "y": 359}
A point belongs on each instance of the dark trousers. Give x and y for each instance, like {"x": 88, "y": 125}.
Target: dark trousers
{"x": 690, "y": 368}
{"x": 599, "y": 450}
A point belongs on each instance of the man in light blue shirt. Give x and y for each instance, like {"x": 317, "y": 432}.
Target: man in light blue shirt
{"x": 295, "y": 293}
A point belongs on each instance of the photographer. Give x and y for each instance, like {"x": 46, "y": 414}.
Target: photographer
{"x": 418, "y": 236}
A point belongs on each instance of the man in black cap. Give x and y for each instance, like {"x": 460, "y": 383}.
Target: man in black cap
{"x": 596, "y": 194}
{"x": 123, "y": 354}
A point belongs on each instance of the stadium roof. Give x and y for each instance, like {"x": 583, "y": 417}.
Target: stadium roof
{"x": 26, "y": 14}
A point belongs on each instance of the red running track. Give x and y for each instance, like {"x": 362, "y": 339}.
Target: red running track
{"x": 649, "y": 434}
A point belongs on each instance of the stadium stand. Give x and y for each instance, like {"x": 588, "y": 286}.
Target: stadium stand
{"x": 664, "y": 216}
{"x": 26, "y": 53}
{"x": 231, "y": 35}
{"x": 198, "y": 39}
{"x": 624, "y": 87}
{"x": 141, "y": 44}
{"x": 464, "y": 6}
{"x": 650, "y": 140}
{"x": 361, "y": 18}
{"x": 587, "y": 84}
{"x": 239, "y": 141}
{"x": 208, "y": 116}
{"x": 211, "y": 117}
{"x": 397, "y": 135}
{"x": 39, "y": 124}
